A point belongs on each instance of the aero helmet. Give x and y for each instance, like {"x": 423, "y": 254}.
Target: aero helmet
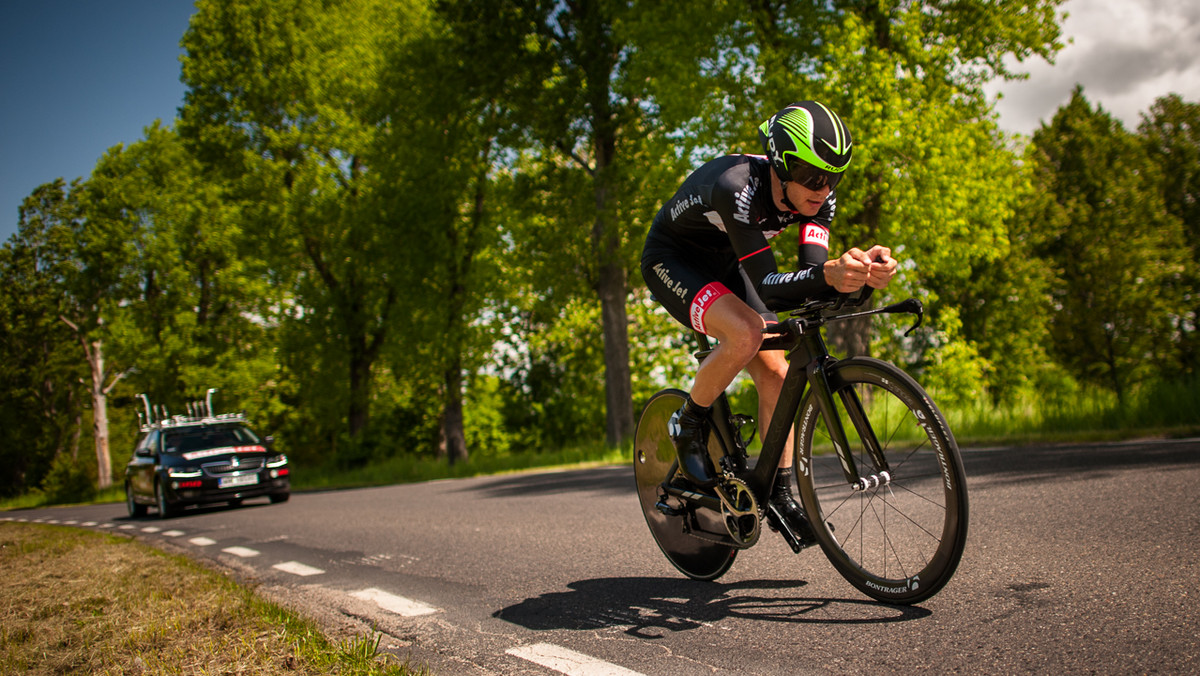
{"x": 807, "y": 143}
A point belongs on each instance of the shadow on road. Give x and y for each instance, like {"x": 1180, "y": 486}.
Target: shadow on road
{"x": 617, "y": 480}
{"x": 1015, "y": 464}
{"x": 649, "y": 607}
{"x": 1081, "y": 462}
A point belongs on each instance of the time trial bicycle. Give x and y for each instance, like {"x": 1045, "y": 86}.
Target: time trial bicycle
{"x": 878, "y": 470}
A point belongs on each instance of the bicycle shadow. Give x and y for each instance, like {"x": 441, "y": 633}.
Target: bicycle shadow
{"x": 644, "y": 604}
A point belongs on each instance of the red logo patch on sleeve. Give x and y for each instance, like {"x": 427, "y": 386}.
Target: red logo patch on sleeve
{"x": 815, "y": 234}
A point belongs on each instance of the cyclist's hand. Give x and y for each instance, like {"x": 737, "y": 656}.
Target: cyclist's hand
{"x": 883, "y": 266}
{"x": 850, "y": 272}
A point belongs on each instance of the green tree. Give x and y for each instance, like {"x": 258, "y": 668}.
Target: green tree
{"x": 1116, "y": 250}
{"x": 1171, "y": 131}
{"x": 199, "y": 303}
{"x": 41, "y": 401}
{"x": 438, "y": 154}
{"x": 931, "y": 175}
{"x": 599, "y": 114}
{"x": 280, "y": 97}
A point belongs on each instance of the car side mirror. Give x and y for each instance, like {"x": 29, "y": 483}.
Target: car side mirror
{"x": 143, "y": 453}
{"x": 269, "y": 442}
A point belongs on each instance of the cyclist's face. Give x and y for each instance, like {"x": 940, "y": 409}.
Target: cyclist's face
{"x": 808, "y": 202}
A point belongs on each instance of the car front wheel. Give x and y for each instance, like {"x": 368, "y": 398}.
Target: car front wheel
{"x": 165, "y": 508}
{"x": 135, "y": 510}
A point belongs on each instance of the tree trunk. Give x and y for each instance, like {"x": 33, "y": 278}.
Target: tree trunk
{"x": 851, "y": 337}
{"x": 610, "y": 282}
{"x": 360, "y": 393}
{"x": 94, "y": 352}
{"x": 453, "y": 436}
{"x": 618, "y": 387}
{"x": 95, "y": 357}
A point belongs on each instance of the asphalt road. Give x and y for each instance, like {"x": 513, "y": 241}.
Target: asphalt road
{"x": 1081, "y": 559}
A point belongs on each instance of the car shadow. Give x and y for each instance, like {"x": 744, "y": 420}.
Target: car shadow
{"x": 196, "y": 510}
{"x": 649, "y": 607}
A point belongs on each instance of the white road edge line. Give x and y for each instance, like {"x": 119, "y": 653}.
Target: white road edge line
{"x": 297, "y": 568}
{"x": 394, "y": 604}
{"x": 568, "y": 661}
{"x": 202, "y": 542}
{"x": 244, "y": 552}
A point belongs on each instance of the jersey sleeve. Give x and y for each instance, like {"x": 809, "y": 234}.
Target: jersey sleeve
{"x": 780, "y": 291}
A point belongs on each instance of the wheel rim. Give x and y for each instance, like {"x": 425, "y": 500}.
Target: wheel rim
{"x": 902, "y": 537}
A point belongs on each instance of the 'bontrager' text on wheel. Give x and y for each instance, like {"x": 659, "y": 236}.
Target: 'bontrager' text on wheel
{"x": 899, "y": 534}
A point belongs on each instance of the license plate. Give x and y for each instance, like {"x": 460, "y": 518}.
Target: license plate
{"x": 243, "y": 480}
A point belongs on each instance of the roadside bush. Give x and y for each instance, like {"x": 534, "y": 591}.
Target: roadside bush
{"x": 68, "y": 481}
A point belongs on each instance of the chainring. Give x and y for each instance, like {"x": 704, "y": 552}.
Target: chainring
{"x": 740, "y": 511}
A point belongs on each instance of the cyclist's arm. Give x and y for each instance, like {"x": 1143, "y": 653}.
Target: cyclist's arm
{"x": 785, "y": 290}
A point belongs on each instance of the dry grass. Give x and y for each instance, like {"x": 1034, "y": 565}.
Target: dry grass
{"x": 73, "y": 601}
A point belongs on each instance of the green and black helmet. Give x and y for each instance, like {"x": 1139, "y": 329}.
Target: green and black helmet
{"x": 807, "y": 143}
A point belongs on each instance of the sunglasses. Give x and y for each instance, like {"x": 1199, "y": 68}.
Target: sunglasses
{"x": 813, "y": 178}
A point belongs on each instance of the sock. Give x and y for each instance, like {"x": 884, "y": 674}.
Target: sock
{"x": 696, "y": 410}
{"x": 783, "y": 479}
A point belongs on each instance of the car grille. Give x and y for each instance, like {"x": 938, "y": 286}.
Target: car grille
{"x": 224, "y": 468}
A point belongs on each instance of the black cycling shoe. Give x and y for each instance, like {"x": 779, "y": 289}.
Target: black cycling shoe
{"x": 781, "y": 504}
{"x": 689, "y": 432}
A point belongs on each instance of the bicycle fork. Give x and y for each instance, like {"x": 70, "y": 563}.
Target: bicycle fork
{"x": 818, "y": 378}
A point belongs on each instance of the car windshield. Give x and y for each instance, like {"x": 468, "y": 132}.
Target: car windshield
{"x": 206, "y": 438}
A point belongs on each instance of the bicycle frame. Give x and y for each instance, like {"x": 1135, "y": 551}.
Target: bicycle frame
{"x": 808, "y": 362}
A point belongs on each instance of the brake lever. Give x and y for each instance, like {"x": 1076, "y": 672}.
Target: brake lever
{"x": 911, "y": 306}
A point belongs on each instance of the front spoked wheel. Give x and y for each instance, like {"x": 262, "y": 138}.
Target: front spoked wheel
{"x": 897, "y": 535}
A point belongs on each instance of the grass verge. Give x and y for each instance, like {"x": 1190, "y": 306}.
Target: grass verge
{"x": 73, "y": 601}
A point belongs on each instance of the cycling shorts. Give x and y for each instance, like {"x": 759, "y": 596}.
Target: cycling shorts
{"x": 687, "y": 281}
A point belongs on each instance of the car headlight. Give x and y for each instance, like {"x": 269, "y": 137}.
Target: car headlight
{"x": 277, "y": 461}
{"x": 184, "y": 473}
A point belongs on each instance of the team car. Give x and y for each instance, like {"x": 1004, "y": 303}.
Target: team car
{"x": 201, "y": 458}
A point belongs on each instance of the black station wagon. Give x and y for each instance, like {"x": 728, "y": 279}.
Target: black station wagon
{"x": 202, "y": 459}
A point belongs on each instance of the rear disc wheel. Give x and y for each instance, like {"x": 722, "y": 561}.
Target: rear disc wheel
{"x": 654, "y": 461}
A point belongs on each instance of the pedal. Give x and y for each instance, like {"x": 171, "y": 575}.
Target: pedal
{"x": 796, "y": 541}
{"x": 666, "y": 509}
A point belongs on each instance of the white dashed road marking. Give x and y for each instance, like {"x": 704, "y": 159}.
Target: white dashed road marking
{"x": 244, "y": 552}
{"x": 172, "y": 533}
{"x": 393, "y": 603}
{"x": 202, "y": 542}
{"x": 568, "y": 661}
{"x": 151, "y": 529}
{"x": 297, "y": 568}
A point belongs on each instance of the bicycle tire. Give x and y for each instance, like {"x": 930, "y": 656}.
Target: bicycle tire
{"x": 654, "y": 459}
{"x": 899, "y": 542}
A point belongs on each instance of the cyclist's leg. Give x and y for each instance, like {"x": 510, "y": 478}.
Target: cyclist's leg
{"x": 693, "y": 289}
{"x": 738, "y": 330}
{"x": 706, "y": 292}
{"x": 768, "y": 369}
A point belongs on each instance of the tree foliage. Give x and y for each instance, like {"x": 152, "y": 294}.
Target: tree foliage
{"x": 1116, "y": 252}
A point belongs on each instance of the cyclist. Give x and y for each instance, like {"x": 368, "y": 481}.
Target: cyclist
{"x": 708, "y": 262}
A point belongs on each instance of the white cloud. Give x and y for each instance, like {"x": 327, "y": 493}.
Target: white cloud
{"x": 1125, "y": 53}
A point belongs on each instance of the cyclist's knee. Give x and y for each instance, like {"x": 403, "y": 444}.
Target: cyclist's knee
{"x": 736, "y": 325}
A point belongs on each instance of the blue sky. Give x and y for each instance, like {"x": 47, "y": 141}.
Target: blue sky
{"x": 80, "y": 76}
